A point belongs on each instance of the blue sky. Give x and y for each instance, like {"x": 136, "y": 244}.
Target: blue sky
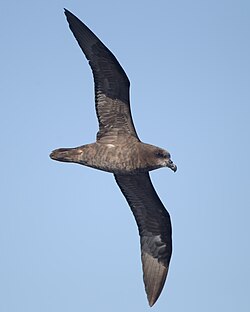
{"x": 67, "y": 237}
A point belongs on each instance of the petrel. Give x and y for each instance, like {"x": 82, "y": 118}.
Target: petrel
{"x": 119, "y": 150}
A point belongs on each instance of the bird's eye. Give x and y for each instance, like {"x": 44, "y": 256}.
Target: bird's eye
{"x": 160, "y": 155}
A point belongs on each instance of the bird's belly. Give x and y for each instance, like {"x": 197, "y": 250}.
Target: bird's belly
{"x": 111, "y": 158}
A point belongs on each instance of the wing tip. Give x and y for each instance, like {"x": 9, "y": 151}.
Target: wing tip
{"x": 66, "y": 11}
{"x": 154, "y": 276}
{"x": 69, "y": 15}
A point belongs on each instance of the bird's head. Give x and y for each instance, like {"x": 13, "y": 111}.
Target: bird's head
{"x": 163, "y": 158}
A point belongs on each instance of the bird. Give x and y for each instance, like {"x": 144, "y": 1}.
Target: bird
{"x": 118, "y": 150}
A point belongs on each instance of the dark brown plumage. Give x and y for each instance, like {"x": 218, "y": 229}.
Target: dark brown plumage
{"x": 119, "y": 150}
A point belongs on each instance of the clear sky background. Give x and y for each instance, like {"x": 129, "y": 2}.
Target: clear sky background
{"x": 68, "y": 240}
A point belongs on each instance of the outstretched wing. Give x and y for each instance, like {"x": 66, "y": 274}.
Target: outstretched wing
{"x": 155, "y": 231}
{"x": 111, "y": 84}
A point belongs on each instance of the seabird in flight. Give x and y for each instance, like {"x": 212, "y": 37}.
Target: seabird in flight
{"x": 119, "y": 150}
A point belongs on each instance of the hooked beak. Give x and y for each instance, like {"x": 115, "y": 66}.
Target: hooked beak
{"x": 65, "y": 154}
{"x": 171, "y": 165}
